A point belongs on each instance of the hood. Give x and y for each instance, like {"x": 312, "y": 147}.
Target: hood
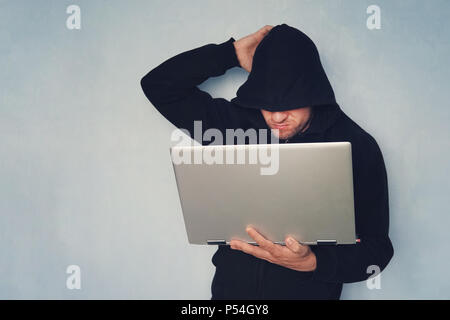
{"x": 286, "y": 74}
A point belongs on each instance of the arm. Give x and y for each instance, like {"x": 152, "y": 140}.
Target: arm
{"x": 349, "y": 263}
{"x": 172, "y": 86}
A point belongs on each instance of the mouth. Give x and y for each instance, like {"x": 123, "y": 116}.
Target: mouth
{"x": 279, "y": 126}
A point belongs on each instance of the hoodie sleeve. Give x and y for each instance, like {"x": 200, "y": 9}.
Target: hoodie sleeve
{"x": 349, "y": 263}
{"x": 172, "y": 86}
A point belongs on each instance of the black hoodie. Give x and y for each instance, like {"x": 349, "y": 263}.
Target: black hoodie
{"x": 286, "y": 74}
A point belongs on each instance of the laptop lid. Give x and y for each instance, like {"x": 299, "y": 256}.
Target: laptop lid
{"x": 300, "y": 189}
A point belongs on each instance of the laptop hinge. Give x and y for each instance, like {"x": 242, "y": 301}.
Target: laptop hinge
{"x": 216, "y": 242}
{"x": 326, "y": 242}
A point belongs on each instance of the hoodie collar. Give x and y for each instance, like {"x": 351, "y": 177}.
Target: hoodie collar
{"x": 323, "y": 118}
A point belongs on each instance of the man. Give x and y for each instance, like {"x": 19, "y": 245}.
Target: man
{"x": 288, "y": 90}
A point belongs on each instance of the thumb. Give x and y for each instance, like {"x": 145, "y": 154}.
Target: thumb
{"x": 265, "y": 30}
{"x": 261, "y": 33}
{"x": 294, "y": 245}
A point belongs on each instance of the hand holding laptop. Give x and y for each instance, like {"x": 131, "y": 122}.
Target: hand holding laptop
{"x": 293, "y": 256}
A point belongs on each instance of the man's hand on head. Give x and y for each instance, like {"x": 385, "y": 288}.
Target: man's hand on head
{"x": 245, "y": 47}
{"x": 294, "y": 255}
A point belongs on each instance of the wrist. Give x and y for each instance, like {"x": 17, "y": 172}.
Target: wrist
{"x": 313, "y": 261}
{"x": 236, "y": 50}
{"x": 309, "y": 262}
{"x": 233, "y": 54}
{"x": 227, "y": 54}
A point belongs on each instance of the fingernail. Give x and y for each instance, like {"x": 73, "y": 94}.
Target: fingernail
{"x": 290, "y": 241}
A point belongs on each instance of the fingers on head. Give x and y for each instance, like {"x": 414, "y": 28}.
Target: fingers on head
{"x": 265, "y": 30}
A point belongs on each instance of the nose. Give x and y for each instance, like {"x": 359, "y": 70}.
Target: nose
{"x": 279, "y": 117}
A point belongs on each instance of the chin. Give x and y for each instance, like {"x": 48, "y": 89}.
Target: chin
{"x": 284, "y": 135}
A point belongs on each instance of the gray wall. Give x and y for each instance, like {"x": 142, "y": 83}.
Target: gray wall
{"x": 85, "y": 174}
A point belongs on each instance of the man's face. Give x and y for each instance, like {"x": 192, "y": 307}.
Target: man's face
{"x": 288, "y": 122}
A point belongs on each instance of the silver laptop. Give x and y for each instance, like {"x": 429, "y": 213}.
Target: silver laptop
{"x": 300, "y": 189}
